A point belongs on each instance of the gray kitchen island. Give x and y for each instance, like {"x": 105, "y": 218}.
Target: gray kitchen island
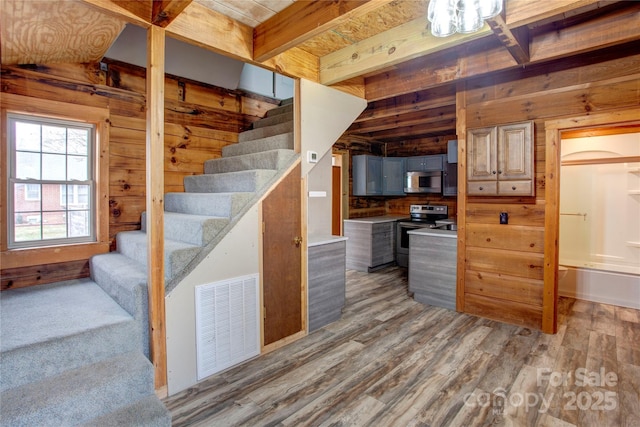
{"x": 432, "y": 266}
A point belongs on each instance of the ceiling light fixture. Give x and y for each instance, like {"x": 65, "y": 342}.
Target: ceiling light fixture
{"x": 463, "y": 16}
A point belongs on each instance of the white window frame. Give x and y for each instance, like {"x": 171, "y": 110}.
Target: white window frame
{"x": 12, "y": 118}
{"x": 26, "y": 193}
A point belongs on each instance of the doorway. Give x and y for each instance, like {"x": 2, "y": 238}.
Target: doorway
{"x": 554, "y": 130}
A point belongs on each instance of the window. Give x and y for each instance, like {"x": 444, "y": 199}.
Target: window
{"x": 51, "y": 181}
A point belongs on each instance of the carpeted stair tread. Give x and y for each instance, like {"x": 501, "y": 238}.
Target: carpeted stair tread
{"x": 271, "y": 159}
{"x": 281, "y": 141}
{"x": 146, "y": 412}
{"x": 286, "y": 115}
{"x": 226, "y": 205}
{"x": 265, "y": 131}
{"x": 47, "y": 329}
{"x": 79, "y": 395}
{"x": 243, "y": 181}
{"x": 284, "y": 107}
{"x": 177, "y": 255}
{"x": 125, "y": 280}
{"x": 189, "y": 228}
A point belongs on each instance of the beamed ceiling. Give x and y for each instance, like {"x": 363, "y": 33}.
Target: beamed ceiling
{"x": 381, "y": 50}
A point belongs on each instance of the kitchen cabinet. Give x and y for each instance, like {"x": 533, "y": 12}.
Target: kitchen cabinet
{"x": 393, "y": 171}
{"x": 367, "y": 175}
{"x": 371, "y": 242}
{"x": 500, "y": 160}
{"x": 326, "y": 280}
{"x": 426, "y": 163}
{"x": 432, "y": 267}
{"x": 450, "y": 179}
{"x": 378, "y": 176}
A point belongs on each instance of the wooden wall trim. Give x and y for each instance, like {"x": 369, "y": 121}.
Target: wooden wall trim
{"x": 155, "y": 205}
{"x": 55, "y": 254}
{"x": 554, "y": 130}
{"x": 461, "y": 130}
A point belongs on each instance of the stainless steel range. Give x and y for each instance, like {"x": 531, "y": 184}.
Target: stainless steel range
{"x": 422, "y": 216}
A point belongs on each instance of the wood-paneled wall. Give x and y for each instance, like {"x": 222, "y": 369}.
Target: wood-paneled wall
{"x": 504, "y": 269}
{"x": 200, "y": 120}
{"x": 360, "y": 207}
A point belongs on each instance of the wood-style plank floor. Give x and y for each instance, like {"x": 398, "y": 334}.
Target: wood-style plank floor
{"x": 391, "y": 361}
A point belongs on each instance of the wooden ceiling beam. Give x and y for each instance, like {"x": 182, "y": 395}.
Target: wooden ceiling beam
{"x": 430, "y": 116}
{"x": 443, "y": 96}
{"x": 516, "y": 41}
{"x": 141, "y": 8}
{"x": 400, "y": 44}
{"x": 618, "y": 27}
{"x": 527, "y": 12}
{"x": 445, "y": 127}
{"x": 114, "y": 10}
{"x": 304, "y": 20}
{"x": 165, "y": 11}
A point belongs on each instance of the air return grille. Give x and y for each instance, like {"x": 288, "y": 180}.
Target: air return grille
{"x": 226, "y": 324}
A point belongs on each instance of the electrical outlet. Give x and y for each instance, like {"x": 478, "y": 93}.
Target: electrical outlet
{"x": 504, "y": 218}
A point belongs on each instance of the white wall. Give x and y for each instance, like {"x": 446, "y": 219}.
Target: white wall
{"x": 325, "y": 114}
{"x": 236, "y": 255}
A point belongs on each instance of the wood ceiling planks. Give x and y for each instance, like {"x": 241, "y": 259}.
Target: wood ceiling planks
{"x": 41, "y": 32}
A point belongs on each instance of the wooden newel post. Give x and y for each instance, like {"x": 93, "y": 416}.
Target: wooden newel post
{"x": 155, "y": 204}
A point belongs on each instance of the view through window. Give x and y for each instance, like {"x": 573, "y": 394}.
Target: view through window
{"x": 51, "y": 189}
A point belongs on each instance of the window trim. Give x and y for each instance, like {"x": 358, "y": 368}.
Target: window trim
{"x": 23, "y": 257}
{"x": 13, "y": 118}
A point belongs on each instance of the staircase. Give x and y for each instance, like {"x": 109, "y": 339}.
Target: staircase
{"x": 73, "y": 353}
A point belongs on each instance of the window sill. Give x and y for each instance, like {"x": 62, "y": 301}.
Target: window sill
{"x": 26, "y": 257}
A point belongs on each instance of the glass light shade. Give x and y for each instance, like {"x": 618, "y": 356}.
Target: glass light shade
{"x": 490, "y": 8}
{"x": 444, "y": 20}
{"x": 469, "y": 19}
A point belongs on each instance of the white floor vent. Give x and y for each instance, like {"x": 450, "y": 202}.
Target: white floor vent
{"x": 227, "y": 326}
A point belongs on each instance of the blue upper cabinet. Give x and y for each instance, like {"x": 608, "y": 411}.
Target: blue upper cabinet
{"x": 393, "y": 171}
{"x": 367, "y": 175}
{"x": 378, "y": 176}
{"x": 426, "y": 163}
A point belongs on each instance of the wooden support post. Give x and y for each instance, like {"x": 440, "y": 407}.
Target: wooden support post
{"x": 461, "y": 131}
{"x": 155, "y": 205}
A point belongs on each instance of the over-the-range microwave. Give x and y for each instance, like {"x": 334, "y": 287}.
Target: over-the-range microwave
{"x": 423, "y": 182}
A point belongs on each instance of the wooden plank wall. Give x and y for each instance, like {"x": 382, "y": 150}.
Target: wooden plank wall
{"x": 196, "y": 130}
{"x": 504, "y": 263}
{"x": 360, "y": 207}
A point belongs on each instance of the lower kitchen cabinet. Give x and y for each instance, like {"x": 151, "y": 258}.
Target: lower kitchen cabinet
{"x": 326, "y": 282}
{"x": 432, "y": 267}
{"x": 371, "y": 243}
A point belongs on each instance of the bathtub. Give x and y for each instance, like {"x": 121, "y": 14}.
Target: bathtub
{"x": 598, "y": 282}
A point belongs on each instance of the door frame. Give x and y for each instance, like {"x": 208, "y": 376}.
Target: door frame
{"x": 553, "y": 130}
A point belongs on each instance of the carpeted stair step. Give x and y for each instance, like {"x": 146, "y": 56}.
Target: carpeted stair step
{"x": 282, "y": 141}
{"x": 148, "y": 411}
{"x": 284, "y": 107}
{"x": 225, "y": 205}
{"x": 79, "y": 395}
{"x": 125, "y": 280}
{"x": 52, "y": 328}
{"x": 244, "y": 181}
{"x": 177, "y": 255}
{"x": 265, "y": 131}
{"x": 188, "y": 228}
{"x": 272, "y": 159}
{"x": 286, "y": 115}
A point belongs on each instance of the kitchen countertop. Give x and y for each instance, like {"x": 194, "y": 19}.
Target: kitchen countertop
{"x": 318, "y": 240}
{"x": 379, "y": 219}
{"x": 434, "y": 232}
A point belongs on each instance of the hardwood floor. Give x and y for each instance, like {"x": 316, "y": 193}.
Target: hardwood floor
{"x": 391, "y": 361}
